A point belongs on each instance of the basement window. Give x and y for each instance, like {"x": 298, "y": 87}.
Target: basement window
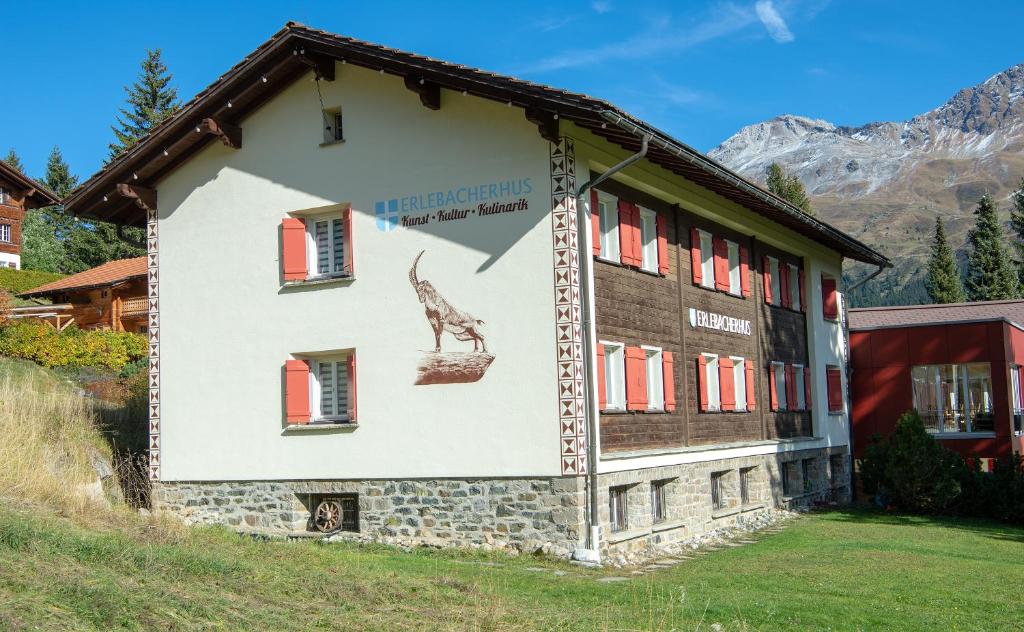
{"x": 718, "y": 501}
{"x": 334, "y": 128}
{"x": 617, "y": 508}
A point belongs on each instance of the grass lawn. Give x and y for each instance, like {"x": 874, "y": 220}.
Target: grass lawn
{"x": 838, "y": 570}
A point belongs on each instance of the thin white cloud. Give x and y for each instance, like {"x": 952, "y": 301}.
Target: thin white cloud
{"x": 552, "y": 23}
{"x": 601, "y": 6}
{"x": 773, "y": 22}
{"x": 659, "y": 38}
{"x": 677, "y": 94}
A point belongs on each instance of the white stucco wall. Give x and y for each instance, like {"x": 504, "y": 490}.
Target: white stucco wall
{"x": 227, "y": 327}
{"x": 6, "y": 259}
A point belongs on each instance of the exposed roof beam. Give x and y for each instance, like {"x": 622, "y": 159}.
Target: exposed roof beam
{"x": 143, "y": 197}
{"x": 322, "y": 65}
{"x": 230, "y": 135}
{"x": 430, "y": 92}
{"x": 546, "y": 122}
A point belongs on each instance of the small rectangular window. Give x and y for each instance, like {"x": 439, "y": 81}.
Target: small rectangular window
{"x": 734, "y": 268}
{"x": 5, "y": 196}
{"x": 780, "y": 385}
{"x": 5, "y": 233}
{"x": 609, "y": 218}
{"x": 714, "y": 387}
{"x": 327, "y": 245}
{"x": 617, "y": 509}
{"x": 773, "y": 268}
{"x": 718, "y": 490}
{"x": 794, "y": 287}
{"x": 655, "y": 379}
{"x": 707, "y": 260}
{"x": 746, "y": 474}
{"x": 658, "y": 501}
{"x": 649, "y": 240}
{"x": 798, "y": 387}
{"x": 807, "y": 473}
{"x": 787, "y": 486}
{"x": 739, "y": 380}
{"x": 614, "y": 376}
{"x": 331, "y": 390}
{"x": 333, "y": 126}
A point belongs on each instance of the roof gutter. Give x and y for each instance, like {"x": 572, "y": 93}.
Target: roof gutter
{"x": 664, "y": 143}
{"x": 593, "y": 551}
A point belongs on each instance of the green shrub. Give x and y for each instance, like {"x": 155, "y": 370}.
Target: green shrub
{"x": 71, "y": 348}
{"x": 18, "y": 281}
{"x": 911, "y": 471}
{"x": 998, "y": 494}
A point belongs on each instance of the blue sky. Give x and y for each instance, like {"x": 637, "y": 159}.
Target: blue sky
{"x": 698, "y": 70}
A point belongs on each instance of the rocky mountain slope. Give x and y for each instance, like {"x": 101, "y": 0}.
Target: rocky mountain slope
{"x": 885, "y": 182}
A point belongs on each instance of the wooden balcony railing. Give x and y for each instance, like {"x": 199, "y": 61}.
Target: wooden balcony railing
{"x": 134, "y": 306}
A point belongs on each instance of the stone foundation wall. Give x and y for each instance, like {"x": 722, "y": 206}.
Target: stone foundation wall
{"x": 544, "y": 514}
{"x": 689, "y": 511}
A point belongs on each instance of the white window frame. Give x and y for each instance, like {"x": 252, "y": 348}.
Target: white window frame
{"x": 648, "y": 240}
{"x": 614, "y": 376}
{"x": 312, "y": 259}
{"x": 739, "y": 381}
{"x": 713, "y": 383}
{"x": 607, "y": 216}
{"x": 781, "y": 401}
{"x": 801, "y": 396}
{"x": 339, "y": 363}
{"x": 776, "y": 287}
{"x": 655, "y": 378}
{"x": 5, "y": 233}
{"x": 5, "y": 195}
{"x": 1018, "y": 405}
{"x": 707, "y": 259}
{"x": 794, "y": 287}
{"x": 735, "y": 282}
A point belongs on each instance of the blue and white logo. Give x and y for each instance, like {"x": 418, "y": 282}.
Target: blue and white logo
{"x": 387, "y": 215}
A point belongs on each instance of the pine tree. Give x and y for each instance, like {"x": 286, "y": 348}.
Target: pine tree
{"x": 14, "y": 160}
{"x": 151, "y": 99}
{"x": 943, "y": 282}
{"x": 1017, "y": 224}
{"x": 788, "y": 188}
{"x": 47, "y": 230}
{"x": 990, "y": 274}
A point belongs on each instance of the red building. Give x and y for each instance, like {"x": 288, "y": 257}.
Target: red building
{"x": 959, "y": 365}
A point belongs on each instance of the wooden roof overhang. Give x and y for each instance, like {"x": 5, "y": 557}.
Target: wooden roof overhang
{"x": 36, "y": 194}
{"x": 122, "y": 190}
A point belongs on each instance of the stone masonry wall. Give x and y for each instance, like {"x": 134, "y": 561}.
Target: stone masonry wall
{"x": 524, "y": 514}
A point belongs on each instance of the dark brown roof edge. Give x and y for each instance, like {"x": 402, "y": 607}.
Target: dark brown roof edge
{"x": 44, "y": 196}
{"x": 935, "y": 305}
{"x": 939, "y": 323}
{"x": 582, "y": 109}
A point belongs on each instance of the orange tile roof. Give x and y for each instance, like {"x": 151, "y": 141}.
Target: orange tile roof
{"x": 913, "y": 315}
{"x": 106, "y": 274}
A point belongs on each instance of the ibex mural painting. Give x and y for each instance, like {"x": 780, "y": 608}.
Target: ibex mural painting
{"x": 453, "y": 366}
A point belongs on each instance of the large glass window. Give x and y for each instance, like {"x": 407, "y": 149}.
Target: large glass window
{"x": 954, "y": 397}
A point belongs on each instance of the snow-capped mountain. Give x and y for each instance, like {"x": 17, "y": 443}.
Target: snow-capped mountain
{"x": 885, "y": 182}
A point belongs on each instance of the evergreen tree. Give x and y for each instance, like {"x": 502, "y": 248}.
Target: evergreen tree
{"x": 151, "y": 99}
{"x": 14, "y": 160}
{"x": 1017, "y": 224}
{"x": 990, "y": 274}
{"x": 788, "y": 188}
{"x": 47, "y": 230}
{"x": 943, "y": 280}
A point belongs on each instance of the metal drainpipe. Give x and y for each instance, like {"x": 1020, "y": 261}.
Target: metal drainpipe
{"x": 586, "y": 260}
{"x": 849, "y": 370}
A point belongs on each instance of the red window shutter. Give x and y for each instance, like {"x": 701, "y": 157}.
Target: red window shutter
{"x": 602, "y": 394}
{"x": 638, "y": 242}
{"x": 829, "y": 302}
{"x": 751, "y": 400}
{"x": 296, "y": 391}
{"x": 628, "y": 233}
{"x": 636, "y": 379}
{"x": 353, "y": 411}
{"x": 726, "y": 384}
{"x": 293, "y": 249}
{"x": 745, "y": 271}
{"x": 791, "y": 402}
{"x": 669, "y": 377}
{"x": 766, "y": 274}
{"x": 721, "y": 252}
{"x": 784, "y": 285}
{"x": 702, "y": 382}
{"x": 695, "y": 257}
{"x": 595, "y": 222}
{"x": 807, "y": 388}
{"x": 350, "y": 252}
{"x": 773, "y": 389}
{"x": 660, "y": 221}
{"x": 803, "y": 295}
{"x": 835, "y": 389}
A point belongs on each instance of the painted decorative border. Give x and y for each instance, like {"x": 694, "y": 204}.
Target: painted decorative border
{"x": 568, "y": 321}
{"x": 153, "y": 292}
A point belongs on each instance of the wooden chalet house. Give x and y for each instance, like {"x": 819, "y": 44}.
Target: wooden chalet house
{"x": 476, "y": 310}
{"x": 109, "y": 296}
{"x": 18, "y": 193}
